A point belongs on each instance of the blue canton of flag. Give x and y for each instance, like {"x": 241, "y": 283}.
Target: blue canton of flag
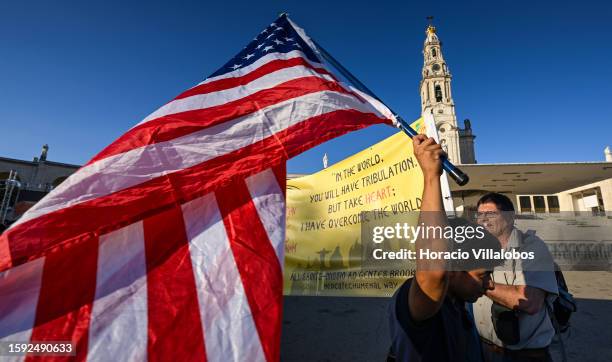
{"x": 278, "y": 37}
{"x": 180, "y": 232}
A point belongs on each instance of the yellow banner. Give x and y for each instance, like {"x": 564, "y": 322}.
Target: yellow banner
{"x": 324, "y": 252}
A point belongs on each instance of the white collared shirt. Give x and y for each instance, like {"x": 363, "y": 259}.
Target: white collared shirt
{"x": 536, "y": 331}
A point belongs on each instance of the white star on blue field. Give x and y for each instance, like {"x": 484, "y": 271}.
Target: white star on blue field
{"x": 281, "y": 29}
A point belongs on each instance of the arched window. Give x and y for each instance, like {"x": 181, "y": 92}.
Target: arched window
{"x": 438, "y": 92}
{"x": 433, "y": 52}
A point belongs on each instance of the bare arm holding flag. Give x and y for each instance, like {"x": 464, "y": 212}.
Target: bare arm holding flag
{"x": 428, "y": 293}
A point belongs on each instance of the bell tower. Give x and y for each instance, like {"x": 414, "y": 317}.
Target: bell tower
{"x": 436, "y": 98}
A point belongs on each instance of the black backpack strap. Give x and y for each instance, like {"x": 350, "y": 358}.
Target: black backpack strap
{"x": 391, "y": 357}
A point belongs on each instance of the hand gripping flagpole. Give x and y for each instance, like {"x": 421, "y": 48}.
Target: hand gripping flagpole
{"x": 455, "y": 173}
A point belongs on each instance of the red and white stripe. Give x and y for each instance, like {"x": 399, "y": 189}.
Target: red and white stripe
{"x": 170, "y": 241}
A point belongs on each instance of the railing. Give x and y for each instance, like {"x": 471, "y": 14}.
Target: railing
{"x": 10, "y": 185}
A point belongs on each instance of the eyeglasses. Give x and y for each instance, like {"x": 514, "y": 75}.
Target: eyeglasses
{"x": 487, "y": 214}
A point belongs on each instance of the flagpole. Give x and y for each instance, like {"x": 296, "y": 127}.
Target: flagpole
{"x": 456, "y": 174}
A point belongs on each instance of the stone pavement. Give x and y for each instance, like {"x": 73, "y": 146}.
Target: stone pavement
{"x": 590, "y": 337}
{"x": 355, "y": 329}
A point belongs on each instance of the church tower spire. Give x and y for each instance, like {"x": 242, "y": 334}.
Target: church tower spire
{"x": 436, "y": 98}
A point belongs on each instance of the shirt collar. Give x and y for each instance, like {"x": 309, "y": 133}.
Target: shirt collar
{"x": 514, "y": 239}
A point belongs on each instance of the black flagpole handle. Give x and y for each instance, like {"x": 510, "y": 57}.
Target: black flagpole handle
{"x": 455, "y": 173}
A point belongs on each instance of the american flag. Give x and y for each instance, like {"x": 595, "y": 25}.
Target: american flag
{"x": 169, "y": 242}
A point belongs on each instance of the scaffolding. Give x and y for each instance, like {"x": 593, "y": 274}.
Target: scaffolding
{"x": 11, "y": 187}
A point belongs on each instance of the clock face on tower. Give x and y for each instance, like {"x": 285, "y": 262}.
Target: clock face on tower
{"x": 435, "y": 67}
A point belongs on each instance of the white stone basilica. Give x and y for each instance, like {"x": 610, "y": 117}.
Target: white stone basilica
{"x": 436, "y": 98}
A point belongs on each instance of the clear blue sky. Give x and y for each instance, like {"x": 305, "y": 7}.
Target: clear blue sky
{"x": 533, "y": 76}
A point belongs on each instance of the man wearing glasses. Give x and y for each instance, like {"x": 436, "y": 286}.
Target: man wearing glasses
{"x": 512, "y": 319}
{"x": 429, "y": 316}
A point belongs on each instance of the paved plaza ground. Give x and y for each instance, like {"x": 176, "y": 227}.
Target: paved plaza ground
{"x": 355, "y": 329}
